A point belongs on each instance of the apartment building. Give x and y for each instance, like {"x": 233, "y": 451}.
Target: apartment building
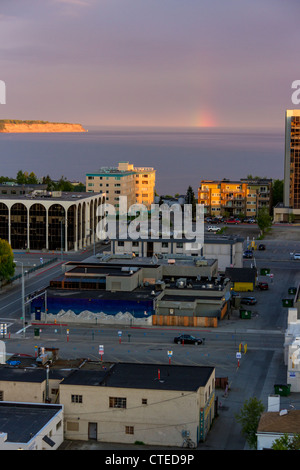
{"x": 232, "y": 198}
{"x": 290, "y": 209}
{"x": 136, "y": 183}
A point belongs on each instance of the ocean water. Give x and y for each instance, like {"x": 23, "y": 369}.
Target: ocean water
{"x": 181, "y": 157}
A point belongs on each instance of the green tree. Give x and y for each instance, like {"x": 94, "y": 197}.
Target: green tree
{"x": 277, "y": 189}
{"x": 64, "y": 185}
{"x": 248, "y": 418}
{"x": 21, "y": 177}
{"x": 190, "y": 199}
{"x": 7, "y": 265}
{"x": 287, "y": 442}
{"x": 25, "y": 178}
{"x": 264, "y": 220}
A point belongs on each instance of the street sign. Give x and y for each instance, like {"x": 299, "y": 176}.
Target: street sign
{"x": 101, "y": 350}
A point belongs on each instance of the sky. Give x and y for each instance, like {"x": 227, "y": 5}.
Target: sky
{"x": 165, "y": 63}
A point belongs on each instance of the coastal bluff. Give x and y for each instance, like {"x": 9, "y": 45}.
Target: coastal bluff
{"x": 17, "y": 126}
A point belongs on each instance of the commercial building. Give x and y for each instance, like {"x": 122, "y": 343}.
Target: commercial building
{"x": 227, "y": 250}
{"x": 128, "y": 290}
{"x": 44, "y": 220}
{"x": 242, "y": 279}
{"x": 290, "y": 209}
{"x": 136, "y": 183}
{"x": 31, "y": 426}
{"x": 233, "y": 198}
{"x": 156, "y": 404}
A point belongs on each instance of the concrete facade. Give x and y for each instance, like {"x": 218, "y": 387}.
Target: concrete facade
{"x": 49, "y": 221}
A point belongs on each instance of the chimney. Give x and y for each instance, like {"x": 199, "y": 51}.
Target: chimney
{"x": 273, "y": 402}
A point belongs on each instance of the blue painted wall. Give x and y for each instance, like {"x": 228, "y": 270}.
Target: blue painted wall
{"x": 109, "y": 307}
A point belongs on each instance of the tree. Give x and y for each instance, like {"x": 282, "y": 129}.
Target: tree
{"x": 249, "y": 417}
{"x": 7, "y": 265}
{"x": 287, "y": 442}
{"x": 264, "y": 220}
{"x": 277, "y": 190}
{"x": 190, "y": 199}
{"x": 25, "y": 178}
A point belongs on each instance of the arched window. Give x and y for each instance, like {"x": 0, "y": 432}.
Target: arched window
{"x": 56, "y": 230}
{"x": 37, "y": 227}
{"x": 18, "y": 223}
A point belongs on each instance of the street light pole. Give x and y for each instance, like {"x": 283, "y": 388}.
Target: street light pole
{"x": 23, "y": 296}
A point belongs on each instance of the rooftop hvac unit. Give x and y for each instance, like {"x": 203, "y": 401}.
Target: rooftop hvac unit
{"x": 180, "y": 283}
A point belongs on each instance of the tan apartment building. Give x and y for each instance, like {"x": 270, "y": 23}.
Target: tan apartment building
{"x": 136, "y": 183}
{"x": 232, "y": 198}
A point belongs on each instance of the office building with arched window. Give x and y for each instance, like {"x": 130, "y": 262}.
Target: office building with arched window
{"x": 43, "y": 220}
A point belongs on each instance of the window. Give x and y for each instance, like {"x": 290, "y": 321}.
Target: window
{"x": 129, "y": 429}
{"x": 1, "y": 395}
{"x": 144, "y": 401}
{"x": 76, "y": 398}
{"x": 117, "y": 402}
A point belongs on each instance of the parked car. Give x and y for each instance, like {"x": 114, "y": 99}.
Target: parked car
{"x": 296, "y": 255}
{"x": 263, "y": 285}
{"x": 187, "y": 339}
{"x": 216, "y": 220}
{"x": 248, "y": 300}
{"x": 251, "y": 221}
{"x": 248, "y": 254}
{"x": 213, "y": 228}
{"x": 262, "y": 247}
{"x": 232, "y": 221}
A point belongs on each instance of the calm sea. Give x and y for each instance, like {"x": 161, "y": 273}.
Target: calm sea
{"x": 182, "y": 157}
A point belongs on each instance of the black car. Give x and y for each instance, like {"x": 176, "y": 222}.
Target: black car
{"x": 187, "y": 339}
{"x": 262, "y": 247}
{"x": 248, "y": 254}
{"x": 248, "y": 300}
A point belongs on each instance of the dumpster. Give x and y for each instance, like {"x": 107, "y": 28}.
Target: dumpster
{"x": 245, "y": 314}
{"x": 287, "y": 302}
{"x": 292, "y": 290}
{"x": 264, "y": 271}
{"x": 36, "y": 332}
{"x": 282, "y": 390}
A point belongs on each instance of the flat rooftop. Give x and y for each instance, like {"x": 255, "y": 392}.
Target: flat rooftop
{"x": 145, "y": 376}
{"x": 63, "y": 196}
{"x": 141, "y": 294}
{"x": 22, "y": 421}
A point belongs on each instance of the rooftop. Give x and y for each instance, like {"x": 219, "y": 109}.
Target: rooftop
{"x": 144, "y": 376}
{"x": 273, "y": 422}
{"x": 22, "y": 421}
{"x": 48, "y": 195}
